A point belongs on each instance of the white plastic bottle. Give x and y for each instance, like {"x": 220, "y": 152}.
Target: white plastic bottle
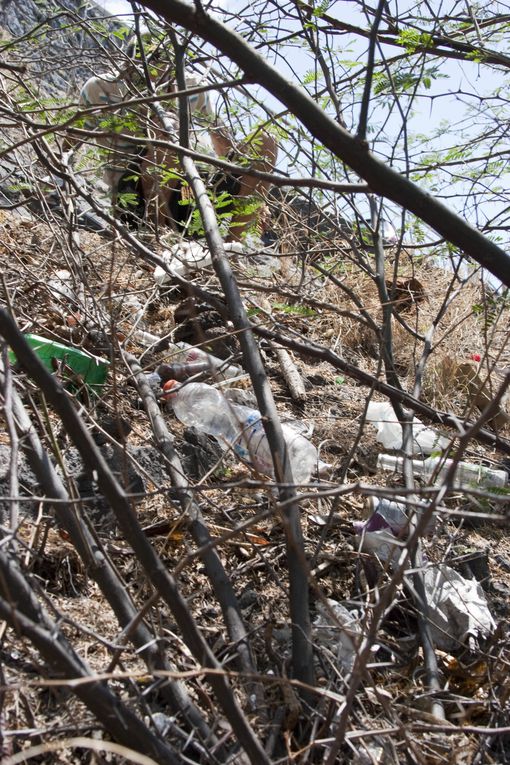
{"x": 204, "y": 407}
{"x": 467, "y": 475}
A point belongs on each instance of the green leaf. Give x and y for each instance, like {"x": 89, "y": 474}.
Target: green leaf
{"x": 299, "y": 310}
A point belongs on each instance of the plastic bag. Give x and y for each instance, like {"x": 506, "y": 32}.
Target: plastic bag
{"x": 457, "y": 607}
{"x": 181, "y": 259}
{"x": 341, "y": 633}
{"x": 389, "y": 430}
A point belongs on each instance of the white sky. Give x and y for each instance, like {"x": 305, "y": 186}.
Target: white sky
{"x": 115, "y": 7}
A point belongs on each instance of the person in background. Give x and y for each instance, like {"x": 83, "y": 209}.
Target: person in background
{"x": 144, "y": 179}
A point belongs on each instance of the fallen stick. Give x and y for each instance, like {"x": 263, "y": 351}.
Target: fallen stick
{"x": 291, "y": 376}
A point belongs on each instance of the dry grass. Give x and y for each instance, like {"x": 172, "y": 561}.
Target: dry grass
{"x": 306, "y": 302}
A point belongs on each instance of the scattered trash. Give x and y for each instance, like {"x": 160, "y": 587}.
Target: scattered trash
{"x": 339, "y": 630}
{"x": 241, "y": 396}
{"x": 69, "y": 362}
{"x": 381, "y": 543}
{"x": 187, "y": 354}
{"x": 389, "y": 430}
{"x": 187, "y": 256}
{"x": 387, "y": 513}
{"x": 181, "y": 371}
{"x": 393, "y": 514}
{"x": 60, "y": 285}
{"x": 181, "y": 259}
{"x": 369, "y": 753}
{"x": 204, "y": 407}
{"x": 466, "y": 474}
{"x": 457, "y": 607}
{"x": 385, "y": 531}
{"x": 184, "y": 353}
{"x": 199, "y": 324}
{"x": 259, "y": 258}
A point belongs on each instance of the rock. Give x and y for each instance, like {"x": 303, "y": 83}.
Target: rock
{"x": 116, "y": 427}
{"x": 248, "y": 598}
{"x": 27, "y": 482}
{"x": 120, "y": 464}
{"x": 52, "y": 59}
{"x": 199, "y": 453}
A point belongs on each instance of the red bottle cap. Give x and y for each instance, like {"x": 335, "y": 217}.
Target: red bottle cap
{"x": 168, "y": 388}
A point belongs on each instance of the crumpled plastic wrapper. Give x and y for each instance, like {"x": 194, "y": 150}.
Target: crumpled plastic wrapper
{"x": 181, "y": 259}
{"x": 458, "y": 608}
{"x": 341, "y": 634}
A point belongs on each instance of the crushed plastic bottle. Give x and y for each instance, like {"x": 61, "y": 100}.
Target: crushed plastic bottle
{"x": 204, "y": 407}
{"x": 466, "y": 474}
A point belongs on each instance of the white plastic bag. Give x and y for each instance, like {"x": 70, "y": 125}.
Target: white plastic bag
{"x": 389, "y": 430}
{"x": 457, "y": 607}
{"x": 340, "y": 633}
{"x": 181, "y": 259}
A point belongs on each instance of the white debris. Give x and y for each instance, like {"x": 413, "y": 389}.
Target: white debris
{"x": 369, "y": 753}
{"x": 389, "y": 430}
{"x": 181, "y": 259}
{"x": 382, "y": 544}
{"x": 259, "y": 259}
{"x": 457, "y": 607}
{"x": 339, "y": 630}
{"x": 61, "y": 286}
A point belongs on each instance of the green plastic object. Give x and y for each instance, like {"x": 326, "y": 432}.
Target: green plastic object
{"x": 91, "y": 369}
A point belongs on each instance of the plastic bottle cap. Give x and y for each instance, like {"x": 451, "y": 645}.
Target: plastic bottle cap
{"x": 168, "y": 388}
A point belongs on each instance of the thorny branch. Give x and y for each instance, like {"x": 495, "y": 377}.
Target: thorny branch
{"x": 298, "y": 597}
{"x": 126, "y": 519}
{"x": 381, "y": 178}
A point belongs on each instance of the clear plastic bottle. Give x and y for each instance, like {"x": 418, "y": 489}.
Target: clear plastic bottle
{"x": 467, "y": 475}
{"x": 201, "y": 406}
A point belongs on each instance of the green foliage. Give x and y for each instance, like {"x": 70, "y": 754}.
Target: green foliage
{"x": 119, "y": 123}
{"x": 406, "y": 80}
{"x": 122, "y": 33}
{"x": 412, "y": 39}
{"x": 296, "y": 310}
{"x": 167, "y": 174}
{"x": 477, "y": 56}
{"x": 127, "y": 199}
{"x": 309, "y": 77}
{"x": 490, "y": 309}
{"x": 321, "y": 8}
{"x": 222, "y": 205}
